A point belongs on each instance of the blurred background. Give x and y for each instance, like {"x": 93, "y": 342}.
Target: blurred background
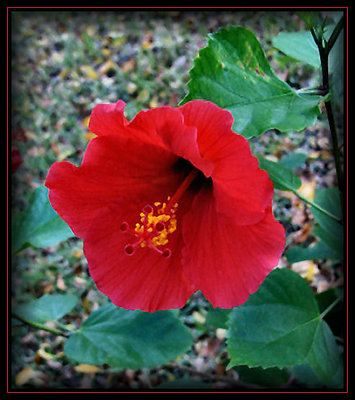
{"x": 62, "y": 65}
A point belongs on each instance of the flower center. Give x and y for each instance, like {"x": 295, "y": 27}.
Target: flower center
{"x": 157, "y": 222}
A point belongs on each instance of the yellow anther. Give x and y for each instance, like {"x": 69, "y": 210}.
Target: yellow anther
{"x": 156, "y": 225}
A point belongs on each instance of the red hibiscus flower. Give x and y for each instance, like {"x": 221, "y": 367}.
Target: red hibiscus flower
{"x": 167, "y": 204}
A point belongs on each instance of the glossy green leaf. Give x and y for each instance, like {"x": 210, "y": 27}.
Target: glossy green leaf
{"x": 39, "y": 225}
{"x": 49, "y": 307}
{"x": 330, "y": 231}
{"x": 301, "y": 46}
{"x": 298, "y": 45}
{"x": 233, "y": 72}
{"x": 279, "y": 326}
{"x": 282, "y": 177}
{"x": 128, "y": 339}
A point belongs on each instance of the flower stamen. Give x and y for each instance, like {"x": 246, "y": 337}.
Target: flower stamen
{"x": 157, "y": 222}
{"x": 155, "y": 225}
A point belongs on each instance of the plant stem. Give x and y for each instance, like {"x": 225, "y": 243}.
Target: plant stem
{"x": 324, "y": 50}
{"x": 40, "y": 326}
{"x": 334, "y": 36}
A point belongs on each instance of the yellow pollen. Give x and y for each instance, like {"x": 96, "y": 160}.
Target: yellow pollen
{"x": 149, "y": 221}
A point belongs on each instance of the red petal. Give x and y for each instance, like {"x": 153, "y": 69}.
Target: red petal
{"x": 225, "y": 260}
{"x": 241, "y": 188}
{"x": 165, "y": 126}
{"x": 108, "y": 119}
{"x": 144, "y": 280}
{"x": 113, "y": 167}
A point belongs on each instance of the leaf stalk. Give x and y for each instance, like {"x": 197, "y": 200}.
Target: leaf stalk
{"x": 40, "y": 326}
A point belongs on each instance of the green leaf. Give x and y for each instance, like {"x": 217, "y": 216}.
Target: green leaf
{"x": 324, "y": 357}
{"x": 293, "y": 160}
{"x": 49, "y": 307}
{"x": 282, "y": 177}
{"x": 280, "y": 326}
{"x": 305, "y": 375}
{"x": 298, "y": 45}
{"x": 128, "y": 339}
{"x": 330, "y": 231}
{"x": 301, "y": 45}
{"x": 233, "y": 72}
{"x": 311, "y": 18}
{"x": 218, "y": 317}
{"x": 318, "y": 251}
{"x": 39, "y": 225}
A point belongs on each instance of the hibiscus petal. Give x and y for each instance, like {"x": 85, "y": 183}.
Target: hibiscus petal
{"x": 108, "y": 119}
{"x": 227, "y": 261}
{"x": 113, "y": 167}
{"x": 144, "y": 280}
{"x": 165, "y": 126}
{"x": 242, "y": 189}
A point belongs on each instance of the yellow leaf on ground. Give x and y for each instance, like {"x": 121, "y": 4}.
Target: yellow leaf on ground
{"x": 60, "y": 283}
{"x": 87, "y": 368}
{"x": 128, "y": 65}
{"x": 88, "y": 71}
{"x": 77, "y": 253}
{"x": 307, "y": 189}
{"x": 43, "y": 354}
{"x": 307, "y": 269}
{"x": 24, "y": 376}
{"x": 64, "y": 73}
{"x": 153, "y": 102}
{"x": 199, "y": 317}
{"x": 106, "y": 52}
{"x": 106, "y": 66}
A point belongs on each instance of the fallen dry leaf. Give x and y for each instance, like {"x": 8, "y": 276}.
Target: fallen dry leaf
{"x": 87, "y": 368}
{"x": 307, "y": 189}
{"x": 27, "y": 374}
{"x": 307, "y": 269}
